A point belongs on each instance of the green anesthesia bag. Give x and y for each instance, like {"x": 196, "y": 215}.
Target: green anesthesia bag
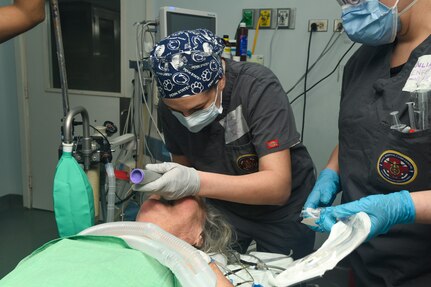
{"x": 73, "y": 196}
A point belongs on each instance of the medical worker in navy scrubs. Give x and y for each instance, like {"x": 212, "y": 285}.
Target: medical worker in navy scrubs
{"x": 382, "y": 169}
{"x": 232, "y": 136}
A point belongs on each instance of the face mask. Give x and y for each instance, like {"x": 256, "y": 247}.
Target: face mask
{"x": 370, "y": 22}
{"x": 200, "y": 119}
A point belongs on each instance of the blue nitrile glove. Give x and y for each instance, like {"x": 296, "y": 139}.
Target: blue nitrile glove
{"x": 383, "y": 210}
{"x": 325, "y": 190}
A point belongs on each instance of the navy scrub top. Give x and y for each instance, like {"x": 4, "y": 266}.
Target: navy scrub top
{"x": 374, "y": 159}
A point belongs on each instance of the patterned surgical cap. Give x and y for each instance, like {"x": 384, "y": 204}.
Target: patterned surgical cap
{"x": 187, "y": 63}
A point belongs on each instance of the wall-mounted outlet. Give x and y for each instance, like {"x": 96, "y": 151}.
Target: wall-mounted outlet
{"x": 248, "y": 18}
{"x": 321, "y": 25}
{"x": 265, "y": 18}
{"x": 338, "y": 25}
{"x": 283, "y": 18}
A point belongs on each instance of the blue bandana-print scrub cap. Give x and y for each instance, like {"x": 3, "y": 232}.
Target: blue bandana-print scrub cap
{"x": 187, "y": 63}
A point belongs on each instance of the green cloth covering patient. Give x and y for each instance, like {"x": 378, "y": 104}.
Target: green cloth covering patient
{"x": 89, "y": 261}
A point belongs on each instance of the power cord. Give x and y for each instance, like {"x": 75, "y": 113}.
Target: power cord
{"x": 325, "y": 50}
{"x": 328, "y": 75}
{"x": 313, "y": 29}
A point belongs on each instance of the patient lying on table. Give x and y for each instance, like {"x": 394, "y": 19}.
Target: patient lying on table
{"x": 109, "y": 261}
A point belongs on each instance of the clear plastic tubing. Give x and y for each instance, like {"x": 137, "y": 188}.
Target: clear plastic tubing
{"x": 183, "y": 259}
{"x": 111, "y": 192}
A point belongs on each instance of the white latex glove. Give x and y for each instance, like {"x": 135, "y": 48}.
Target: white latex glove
{"x": 177, "y": 181}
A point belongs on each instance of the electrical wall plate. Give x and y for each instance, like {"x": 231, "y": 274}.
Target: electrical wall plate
{"x": 322, "y": 25}
{"x": 275, "y": 18}
{"x": 338, "y": 25}
{"x": 248, "y": 17}
{"x": 266, "y": 19}
{"x": 282, "y": 19}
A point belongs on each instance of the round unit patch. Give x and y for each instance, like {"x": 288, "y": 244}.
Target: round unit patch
{"x": 248, "y": 162}
{"x": 396, "y": 168}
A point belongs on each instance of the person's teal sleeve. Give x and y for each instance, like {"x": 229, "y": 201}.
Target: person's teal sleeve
{"x": 383, "y": 210}
{"x": 89, "y": 261}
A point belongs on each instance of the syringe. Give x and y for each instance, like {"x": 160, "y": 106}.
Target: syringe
{"x": 423, "y": 110}
{"x": 396, "y": 124}
{"x": 410, "y": 107}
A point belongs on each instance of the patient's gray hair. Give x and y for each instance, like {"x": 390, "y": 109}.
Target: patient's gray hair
{"x": 217, "y": 232}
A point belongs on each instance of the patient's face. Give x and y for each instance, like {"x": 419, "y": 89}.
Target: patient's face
{"x": 183, "y": 218}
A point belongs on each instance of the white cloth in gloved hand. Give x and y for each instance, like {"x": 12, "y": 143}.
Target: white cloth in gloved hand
{"x": 177, "y": 181}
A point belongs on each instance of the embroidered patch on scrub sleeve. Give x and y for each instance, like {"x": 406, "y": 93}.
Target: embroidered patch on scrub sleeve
{"x": 396, "y": 168}
{"x": 248, "y": 162}
{"x": 272, "y": 144}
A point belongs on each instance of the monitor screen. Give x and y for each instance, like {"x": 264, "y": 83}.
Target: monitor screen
{"x": 173, "y": 19}
{"x": 177, "y": 22}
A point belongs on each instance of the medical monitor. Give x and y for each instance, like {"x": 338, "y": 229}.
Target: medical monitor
{"x": 174, "y": 19}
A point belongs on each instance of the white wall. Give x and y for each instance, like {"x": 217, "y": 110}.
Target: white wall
{"x": 10, "y": 158}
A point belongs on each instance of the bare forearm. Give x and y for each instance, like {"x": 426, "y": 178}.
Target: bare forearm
{"x": 270, "y": 185}
{"x": 422, "y": 202}
{"x": 34, "y": 9}
{"x": 263, "y": 187}
{"x": 19, "y": 17}
{"x": 333, "y": 160}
